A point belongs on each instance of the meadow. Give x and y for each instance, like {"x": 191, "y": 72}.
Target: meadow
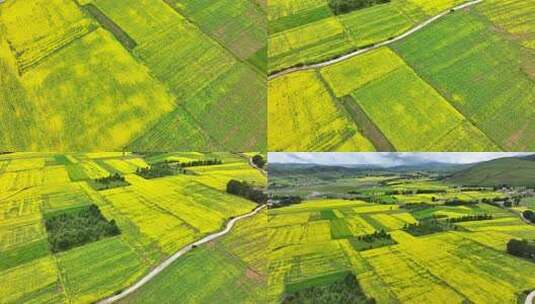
{"x": 89, "y": 75}
{"x": 313, "y": 243}
{"x": 156, "y": 217}
{"x": 453, "y": 99}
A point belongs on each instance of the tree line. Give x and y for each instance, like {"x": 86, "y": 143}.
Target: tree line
{"x": 159, "y": 170}
{"x": 521, "y": 248}
{"x": 108, "y": 182}
{"x": 459, "y": 202}
{"x": 428, "y": 226}
{"x": 74, "y": 228}
{"x": 381, "y": 234}
{"x": 200, "y": 162}
{"x": 470, "y": 218}
{"x": 339, "y": 7}
{"x": 247, "y": 191}
{"x": 116, "y": 177}
{"x": 282, "y": 201}
{"x": 345, "y": 290}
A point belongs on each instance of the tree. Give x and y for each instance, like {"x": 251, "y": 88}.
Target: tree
{"x": 247, "y": 191}
{"x": 259, "y": 161}
{"x": 521, "y": 248}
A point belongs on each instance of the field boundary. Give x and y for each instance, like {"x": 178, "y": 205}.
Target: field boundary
{"x": 303, "y": 67}
{"x": 367, "y": 127}
{"x": 128, "y": 42}
{"x": 212, "y": 38}
{"x": 155, "y": 271}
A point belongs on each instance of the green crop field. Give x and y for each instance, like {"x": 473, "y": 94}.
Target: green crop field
{"x": 91, "y": 75}
{"x": 316, "y": 241}
{"x": 156, "y": 217}
{"x": 305, "y": 31}
{"x": 236, "y": 264}
{"x": 303, "y": 114}
{"x": 452, "y": 83}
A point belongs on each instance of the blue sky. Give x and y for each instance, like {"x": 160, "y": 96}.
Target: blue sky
{"x": 386, "y": 159}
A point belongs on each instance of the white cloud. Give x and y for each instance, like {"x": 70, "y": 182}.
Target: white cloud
{"x": 386, "y": 159}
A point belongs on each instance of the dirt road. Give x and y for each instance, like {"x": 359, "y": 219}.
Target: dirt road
{"x": 376, "y": 46}
{"x": 177, "y": 255}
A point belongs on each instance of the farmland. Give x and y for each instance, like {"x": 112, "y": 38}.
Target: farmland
{"x": 455, "y": 100}
{"x": 155, "y": 218}
{"x": 90, "y": 76}
{"x": 434, "y": 241}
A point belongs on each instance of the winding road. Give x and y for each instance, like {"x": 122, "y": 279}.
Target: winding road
{"x": 531, "y": 297}
{"x": 175, "y": 256}
{"x": 376, "y": 46}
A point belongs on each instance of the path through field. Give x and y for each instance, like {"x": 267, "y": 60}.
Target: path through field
{"x": 376, "y": 46}
{"x": 175, "y": 256}
{"x": 530, "y": 298}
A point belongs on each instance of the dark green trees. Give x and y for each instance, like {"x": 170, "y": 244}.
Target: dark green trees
{"x": 73, "y": 228}
{"x": 345, "y": 6}
{"x": 247, "y": 191}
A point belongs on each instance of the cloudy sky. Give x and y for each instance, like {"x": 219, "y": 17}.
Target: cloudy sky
{"x": 386, "y": 159}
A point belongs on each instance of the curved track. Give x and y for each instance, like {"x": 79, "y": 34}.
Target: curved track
{"x": 376, "y": 46}
{"x": 147, "y": 278}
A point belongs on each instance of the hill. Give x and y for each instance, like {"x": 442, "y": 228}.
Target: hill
{"x": 276, "y": 169}
{"x": 515, "y": 171}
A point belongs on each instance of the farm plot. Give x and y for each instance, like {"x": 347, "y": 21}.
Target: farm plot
{"x": 406, "y": 279}
{"x": 240, "y": 26}
{"x": 377, "y": 23}
{"x": 483, "y": 93}
{"x": 303, "y": 116}
{"x": 71, "y": 85}
{"x": 218, "y": 176}
{"x": 154, "y": 218}
{"x": 514, "y": 16}
{"x": 480, "y": 269}
{"x": 230, "y": 269}
{"x": 306, "y": 31}
{"x": 433, "y": 7}
{"x": 206, "y": 79}
{"x": 100, "y": 122}
{"x": 284, "y": 14}
{"x": 415, "y": 108}
{"x": 237, "y": 97}
{"x": 415, "y": 270}
{"x": 309, "y": 43}
{"x": 91, "y": 272}
{"x": 153, "y": 207}
{"x": 349, "y": 75}
{"x": 36, "y": 281}
{"x": 176, "y": 51}
{"x": 20, "y": 180}
{"x": 38, "y": 28}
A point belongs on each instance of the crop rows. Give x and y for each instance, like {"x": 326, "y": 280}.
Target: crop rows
{"x": 156, "y": 218}
{"x": 413, "y": 269}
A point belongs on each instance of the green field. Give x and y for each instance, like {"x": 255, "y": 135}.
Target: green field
{"x": 499, "y": 74}
{"x": 232, "y": 269}
{"x": 313, "y": 243}
{"x": 306, "y": 31}
{"x": 90, "y": 75}
{"x": 156, "y": 217}
{"x": 426, "y": 84}
{"x": 304, "y": 114}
